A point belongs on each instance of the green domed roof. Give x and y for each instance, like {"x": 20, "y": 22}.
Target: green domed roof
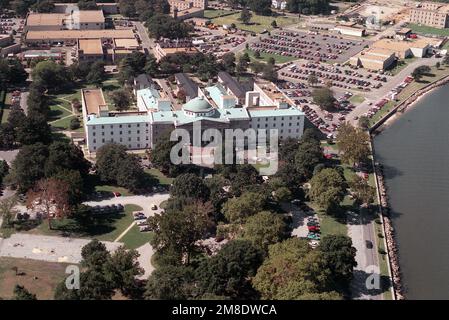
{"x": 198, "y": 104}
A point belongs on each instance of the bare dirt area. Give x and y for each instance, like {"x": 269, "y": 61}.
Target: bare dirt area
{"x": 39, "y": 277}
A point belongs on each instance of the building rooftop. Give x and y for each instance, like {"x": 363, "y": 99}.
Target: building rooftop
{"x": 45, "y": 19}
{"x": 398, "y": 45}
{"x": 187, "y": 84}
{"x": 126, "y": 43}
{"x": 274, "y": 112}
{"x": 79, "y": 34}
{"x": 90, "y": 46}
{"x": 86, "y": 16}
{"x": 93, "y": 100}
{"x": 198, "y": 104}
{"x": 232, "y": 84}
{"x": 143, "y": 81}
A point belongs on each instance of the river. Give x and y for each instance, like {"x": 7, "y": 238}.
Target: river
{"x": 414, "y": 151}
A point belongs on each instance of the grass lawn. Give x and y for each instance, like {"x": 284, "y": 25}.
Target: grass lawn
{"x": 211, "y": 13}
{"x": 258, "y": 23}
{"x": 424, "y": 30}
{"x": 105, "y": 228}
{"x": 134, "y": 239}
{"x": 63, "y": 123}
{"x": 110, "y": 189}
{"x": 57, "y": 112}
{"x": 401, "y": 64}
{"x": 386, "y": 108}
{"x": 162, "y": 179}
{"x": 265, "y": 56}
{"x": 6, "y": 107}
{"x": 356, "y": 99}
{"x": 39, "y": 277}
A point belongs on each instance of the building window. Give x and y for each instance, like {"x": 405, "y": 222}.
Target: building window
{"x": 95, "y": 140}
{"x": 129, "y": 139}
{"x": 93, "y": 134}
{"x": 102, "y": 133}
{"x": 120, "y": 126}
{"x": 102, "y": 140}
{"x": 102, "y": 127}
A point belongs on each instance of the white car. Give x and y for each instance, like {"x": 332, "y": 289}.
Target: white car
{"x": 153, "y": 207}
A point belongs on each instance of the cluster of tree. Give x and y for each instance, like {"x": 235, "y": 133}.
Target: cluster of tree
{"x": 135, "y": 64}
{"x": 328, "y": 188}
{"x": 353, "y": 144}
{"x": 143, "y": 9}
{"x": 11, "y": 73}
{"x": 262, "y": 7}
{"x": 420, "y": 72}
{"x": 267, "y": 70}
{"x": 51, "y": 76}
{"x": 308, "y": 6}
{"x": 205, "y": 66}
{"x": 60, "y": 160}
{"x": 4, "y": 170}
{"x": 294, "y": 271}
{"x": 103, "y": 274}
{"x": 324, "y": 98}
{"x": 115, "y": 165}
{"x": 165, "y": 26}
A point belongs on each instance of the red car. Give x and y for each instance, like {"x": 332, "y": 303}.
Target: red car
{"x": 313, "y": 228}
{"x": 117, "y": 194}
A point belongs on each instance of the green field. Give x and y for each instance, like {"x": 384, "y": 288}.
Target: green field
{"x": 264, "y": 57}
{"x": 424, "y": 30}
{"x": 134, "y": 239}
{"x": 160, "y": 177}
{"x": 257, "y": 23}
{"x": 105, "y": 227}
{"x": 211, "y": 13}
{"x": 356, "y": 99}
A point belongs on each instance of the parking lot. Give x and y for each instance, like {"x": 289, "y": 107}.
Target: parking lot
{"x": 218, "y": 42}
{"x": 341, "y": 77}
{"x": 309, "y": 46}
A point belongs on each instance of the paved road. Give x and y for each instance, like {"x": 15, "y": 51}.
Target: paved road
{"x": 23, "y": 101}
{"x": 147, "y": 42}
{"x": 361, "y": 229}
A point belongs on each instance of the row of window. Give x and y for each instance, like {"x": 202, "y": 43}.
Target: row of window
{"x": 120, "y": 140}
{"x": 120, "y": 126}
{"x": 130, "y": 146}
{"x": 120, "y": 132}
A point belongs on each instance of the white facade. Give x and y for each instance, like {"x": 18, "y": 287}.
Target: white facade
{"x": 279, "y": 4}
{"x": 288, "y": 126}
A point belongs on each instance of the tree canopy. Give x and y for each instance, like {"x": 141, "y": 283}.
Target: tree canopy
{"x": 327, "y": 188}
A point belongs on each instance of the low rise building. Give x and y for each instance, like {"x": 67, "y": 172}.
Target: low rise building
{"x": 5, "y": 40}
{"x": 350, "y": 31}
{"x": 144, "y": 128}
{"x": 187, "y": 85}
{"x": 72, "y": 36}
{"x": 220, "y": 96}
{"x": 232, "y": 86}
{"x": 74, "y": 20}
{"x": 90, "y": 50}
{"x": 404, "y": 49}
{"x": 167, "y": 48}
{"x": 374, "y": 59}
{"x": 187, "y": 9}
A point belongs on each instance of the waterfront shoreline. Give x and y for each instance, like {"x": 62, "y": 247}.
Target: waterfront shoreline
{"x": 388, "y": 229}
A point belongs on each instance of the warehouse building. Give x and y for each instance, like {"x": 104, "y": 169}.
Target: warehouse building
{"x": 374, "y": 59}
{"x": 75, "y": 20}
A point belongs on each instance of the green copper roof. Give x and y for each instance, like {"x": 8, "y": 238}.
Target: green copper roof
{"x": 198, "y": 104}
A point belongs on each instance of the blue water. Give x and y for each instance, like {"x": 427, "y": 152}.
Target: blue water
{"x": 415, "y": 153}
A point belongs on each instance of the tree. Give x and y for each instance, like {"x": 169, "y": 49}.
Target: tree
{"x": 308, "y": 155}
{"x": 28, "y": 167}
{"x": 308, "y": 6}
{"x": 44, "y": 6}
{"x": 269, "y": 72}
{"x": 228, "y": 273}
{"x": 160, "y": 155}
{"x": 245, "y": 16}
{"x": 438, "y": 65}
{"x": 50, "y": 75}
{"x": 165, "y": 26}
{"x": 420, "y": 71}
{"x": 257, "y": 56}
{"x": 34, "y": 129}
{"x": 87, "y": 5}
{"x": 274, "y": 24}
{"x": 20, "y": 293}
{"x": 97, "y": 74}
{"x": 237, "y": 210}
{"x": 340, "y": 256}
{"x": 446, "y": 59}
{"x": 263, "y": 229}
{"x": 180, "y": 229}
{"x": 4, "y": 170}
{"x": 229, "y": 62}
{"x": 189, "y": 185}
{"x": 75, "y": 123}
{"x": 282, "y": 194}
{"x": 312, "y": 80}
{"x": 292, "y": 271}
{"x": 327, "y": 189}
{"x": 121, "y": 98}
{"x": 241, "y": 176}
{"x": 242, "y": 63}
{"x": 123, "y": 268}
{"x": 324, "y": 98}
{"x": 170, "y": 283}
{"x": 115, "y": 165}
{"x": 51, "y": 196}
{"x": 353, "y": 144}
{"x": 262, "y": 7}
{"x": 7, "y": 211}
{"x": 364, "y": 122}
{"x": 362, "y": 191}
